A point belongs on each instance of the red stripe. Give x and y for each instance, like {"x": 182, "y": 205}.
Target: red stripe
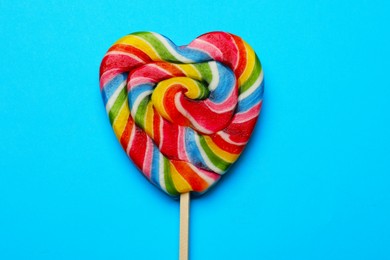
{"x": 242, "y": 56}
{"x": 138, "y": 147}
{"x": 169, "y": 140}
{"x": 170, "y": 107}
{"x": 121, "y": 61}
{"x": 241, "y": 132}
{"x": 125, "y": 137}
{"x": 225, "y": 43}
{"x": 228, "y": 147}
{"x": 156, "y": 75}
{"x": 171, "y": 68}
{"x": 156, "y": 127}
{"x": 206, "y": 117}
{"x": 133, "y": 50}
{"x": 118, "y": 61}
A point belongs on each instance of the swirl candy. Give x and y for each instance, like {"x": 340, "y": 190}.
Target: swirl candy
{"x": 182, "y": 114}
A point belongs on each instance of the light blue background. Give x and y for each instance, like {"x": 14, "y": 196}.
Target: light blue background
{"x": 312, "y": 184}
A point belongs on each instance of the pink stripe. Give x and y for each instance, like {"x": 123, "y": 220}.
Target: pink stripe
{"x": 148, "y": 157}
{"x": 151, "y": 71}
{"x": 230, "y": 102}
{"x": 248, "y": 115}
{"x": 135, "y": 81}
{"x": 109, "y": 75}
{"x": 208, "y": 47}
{"x": 211, "y": 175}
{"x": 181, "y": 144}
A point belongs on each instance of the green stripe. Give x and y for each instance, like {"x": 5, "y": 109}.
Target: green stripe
{"x": 139, "y": 33}
{"x": 204, "y": 91}
{"x": 140, "y": 114}
{"x": 217, "y": 161}
{"x": 159, "y": 47}
{"x": 117, "y": 105}
{"x": 205, "y": 71}
{"x": 252, "y": 78}
{"x": 168, "y": 178}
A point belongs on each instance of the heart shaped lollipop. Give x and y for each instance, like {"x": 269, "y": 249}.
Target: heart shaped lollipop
{"x": 182, "y": 114}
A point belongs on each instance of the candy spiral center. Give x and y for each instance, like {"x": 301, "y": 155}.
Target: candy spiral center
{"x": 176, "y": 89}
{"x": 183, "y": 96}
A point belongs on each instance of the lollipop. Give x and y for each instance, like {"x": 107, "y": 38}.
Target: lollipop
{"x": 183, "y": 114}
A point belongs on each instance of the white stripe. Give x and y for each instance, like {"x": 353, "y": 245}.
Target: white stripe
{"x": 206, "y": 178}
{"x": 155, "y": 66}
{"x": 202, "y": 42}
{"x": 161, "y": 133}
{"x": 215, "y": 76}
{"x": 135, "y": 57}
{"x": 187, "y": 156}
{"x": 120, "y": 111}
{"x": 188, "y": 116}
{"x": 171, "y": 50}
{"x": 150, "y": 45}
{"x": 131, "y": 139}
{"x": 179, "y": 68}
{"x": 180, "y": 144}
{"x": 114, "y": 96}
{"x": 226, "y": 137}
{"x": 245, "y": 118}
{"x": 252, "y": 88}
{"x": 138, "y": 101}
{"x": 112, "y": 76}
{"x": 197, "y": 71}
{"x": 142, "y": 80}
{"x": 220, "y": 109}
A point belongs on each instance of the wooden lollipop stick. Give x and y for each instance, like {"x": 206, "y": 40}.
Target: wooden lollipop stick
{"x": 184, "y": 224}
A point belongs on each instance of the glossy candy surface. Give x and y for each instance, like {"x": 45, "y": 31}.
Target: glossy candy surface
{"x": 183, "y": 114}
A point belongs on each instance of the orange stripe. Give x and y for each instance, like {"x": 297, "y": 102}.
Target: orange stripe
{"x": 126, "y": 133}
{"x": 196, "y": 182}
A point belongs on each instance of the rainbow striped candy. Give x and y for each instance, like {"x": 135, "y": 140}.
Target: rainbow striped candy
{"x": 183, "y": 114}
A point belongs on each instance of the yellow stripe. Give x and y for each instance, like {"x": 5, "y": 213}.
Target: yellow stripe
{"x": 149, "y": 116}
{"x": 120, "y": 121}
{"x": 158, "y": 98}
{"x": 191, "y": 71}
{"x": 250, "y": 64}
{"x": 141, "y": 44}
{"x": 226, "y": 156}
{"x": 180, "y": 183}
